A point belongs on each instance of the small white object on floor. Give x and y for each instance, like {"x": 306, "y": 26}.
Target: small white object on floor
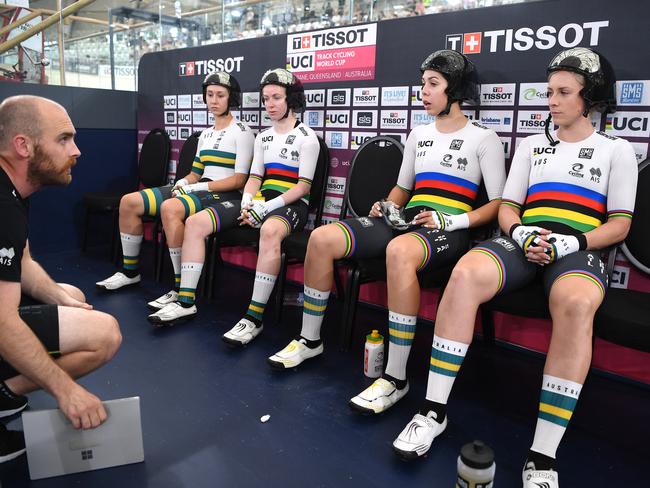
{"x": 265, "y": 418}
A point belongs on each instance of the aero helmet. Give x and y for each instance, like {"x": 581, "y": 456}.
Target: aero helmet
{"x": 226, "y": 80}
{"x": 295, "y": 91}
{"x": 461, "y": 76}
{"x": 600, "y": 80}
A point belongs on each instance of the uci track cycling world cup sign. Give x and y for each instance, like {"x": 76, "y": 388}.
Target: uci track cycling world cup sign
{"x": 340, "y": 54}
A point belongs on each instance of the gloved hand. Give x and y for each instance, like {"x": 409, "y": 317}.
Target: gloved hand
{"x": 527, "y": 236}
{"x": 246, "y": 200}
{"x": 449, "y": 222}
{"x": 562, "y": 245}
{"x": 187, "y": 189}
{"x": 179, "y": 183}
{"x": 256, "y": 213}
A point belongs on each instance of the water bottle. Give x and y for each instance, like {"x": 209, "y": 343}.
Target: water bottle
{"x": 373, "y": 357}
{"x": 476, "y": 466}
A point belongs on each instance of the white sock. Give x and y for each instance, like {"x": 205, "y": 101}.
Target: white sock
{"x": 401, "y": 330}
{"x": 190, "y": 275}
{"x": 446, "y": 358}
{"x": 313, "y": 311}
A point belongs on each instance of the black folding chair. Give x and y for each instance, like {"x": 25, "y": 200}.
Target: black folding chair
{"x": 152, "y": 172}
{"x": 373, "y": 174}
{"x": 623, "y": 316}
{"x": 185, "y": 160}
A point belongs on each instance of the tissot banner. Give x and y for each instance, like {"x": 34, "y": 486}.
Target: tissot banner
{"x": 363, "y": 80}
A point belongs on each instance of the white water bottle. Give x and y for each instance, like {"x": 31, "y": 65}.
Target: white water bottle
{"x": 476, "y": 466}
{"x": 373, "y": 357}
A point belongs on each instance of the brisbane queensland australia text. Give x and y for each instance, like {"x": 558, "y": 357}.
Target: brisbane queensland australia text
{"x": 337, "y": 75}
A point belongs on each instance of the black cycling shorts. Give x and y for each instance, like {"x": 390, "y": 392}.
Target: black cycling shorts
{"x": 367, "y": 237}
{"x": 516, "y": 271}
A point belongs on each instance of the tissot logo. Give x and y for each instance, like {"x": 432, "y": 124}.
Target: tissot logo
{"x": 366, "y": 96}
{"x": 498, "y": 94}
{"x": 331, "y": 37}
{"x": 526, "y": 38}
{"x": 205, "y": 66}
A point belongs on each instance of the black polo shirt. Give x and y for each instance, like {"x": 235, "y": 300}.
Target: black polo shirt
{"x": 13, "y": 229}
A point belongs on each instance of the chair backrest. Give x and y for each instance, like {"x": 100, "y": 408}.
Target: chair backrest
{"x": 373, "y": 174}
{"x": 636, "y": 247}
{"x": 186, "y": 156}
{"x": 319, "y": 183}
{"x": 154, "y": 159}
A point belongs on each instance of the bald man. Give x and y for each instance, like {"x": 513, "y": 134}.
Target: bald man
{"x": 59, "y": 336}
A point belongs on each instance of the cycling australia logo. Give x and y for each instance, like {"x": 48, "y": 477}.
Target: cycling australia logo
{"x": 533, "y": 94}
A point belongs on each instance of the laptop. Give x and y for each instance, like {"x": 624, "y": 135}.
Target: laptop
{"x": 54, "y": 447}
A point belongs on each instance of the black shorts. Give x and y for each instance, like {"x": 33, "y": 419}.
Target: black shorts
{"x": 367, "y": 237}
{"x": 192, "y": 202}
{"x": 44, "y": 322}
{"x": 516, "y": 271}
{"x": 225, "y": 215}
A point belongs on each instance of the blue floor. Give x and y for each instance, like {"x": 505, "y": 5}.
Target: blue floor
{"x": 202, "y": 403}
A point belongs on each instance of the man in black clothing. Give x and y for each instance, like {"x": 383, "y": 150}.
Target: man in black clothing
{"x": 59, "y": 336}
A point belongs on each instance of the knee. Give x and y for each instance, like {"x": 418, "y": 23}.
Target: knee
{"x": 171, "y": 210}
{"x": 270, "y": 235}
{"x": 109, "y": 336}
{"x": 320, "y": 241}
{"x": 195, "y": 229}
{"x": 130, "y": 202}
{"x": 576, "y": 308}
{"x": 401, "y": 255}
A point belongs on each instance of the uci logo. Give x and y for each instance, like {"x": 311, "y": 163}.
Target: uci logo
{"x": 315, "y": 98}
{"x": 425, "y": 144}
{"x": 341, "y": 119}
{"x": 634, "y": 124}
{"x": 267, "y": 139}
{"x": 538, "y": 151}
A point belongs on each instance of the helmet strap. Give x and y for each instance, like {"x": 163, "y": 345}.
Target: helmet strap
{"x": 547, "y": 131}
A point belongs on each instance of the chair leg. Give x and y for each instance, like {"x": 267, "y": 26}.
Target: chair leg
{"x": 349, "y": 308}
{"x": 340, "y": 290}
{"x": 159, "y": 251}
{"x": 279, "y": 287}
{"x": 487, "y": 320}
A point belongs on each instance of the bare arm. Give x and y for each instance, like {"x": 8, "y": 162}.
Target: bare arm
{"x": 484, "y": 214}
{"x": 36, "y": 283}
{"x": 234, "y": 182}
{"x": 611, "y": 232}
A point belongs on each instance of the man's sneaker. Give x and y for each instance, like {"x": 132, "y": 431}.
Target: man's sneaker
{"x": 10, "y": 403}
{"x": 534, "y": 478}
{"x": 118, "y": 280}
{"x": 172, "y": 313}
{"x": 12, "y": 444}
{"x": 294, "y": 354}
{"x": 242, "y": 333}
{"x": 163, "y": 301}
{"x": 416, "y": 438}
{"x": 379, "y": 396}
